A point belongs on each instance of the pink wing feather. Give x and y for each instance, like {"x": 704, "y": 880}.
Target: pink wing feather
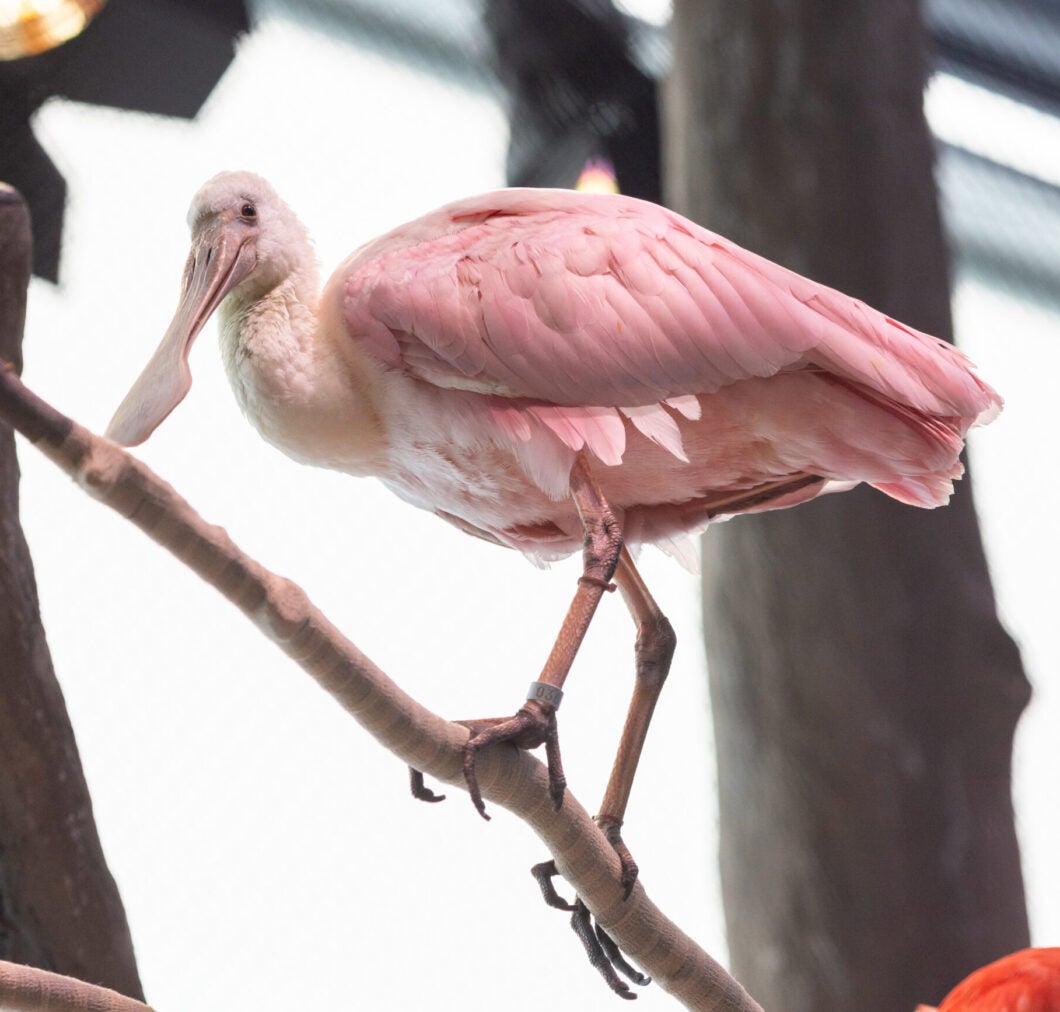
{"x": 577, "y": 313}
{"x": 584, "y": 299}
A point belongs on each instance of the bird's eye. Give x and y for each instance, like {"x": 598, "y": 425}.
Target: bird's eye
{"x": 248, "y": 211}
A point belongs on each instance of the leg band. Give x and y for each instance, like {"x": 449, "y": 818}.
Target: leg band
{"x": 545, "y": 693}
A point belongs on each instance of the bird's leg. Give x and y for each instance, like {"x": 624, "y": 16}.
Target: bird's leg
{"x": 535, "y": 723}
{"x": 654, "y": 651}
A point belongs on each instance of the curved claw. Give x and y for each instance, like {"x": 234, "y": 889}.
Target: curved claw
{"x": 531, "y": 726}
{"x": 612, "y": 829}
{"x": 600, "y": 947}
{"x": 471, "y": 778}
{"x": 557, "y": 782}
{"x": 420, "y": 791}
{"x": 544, "y": 873}
{"x": 618, "y": 961}
{"x": 581, "y": 923}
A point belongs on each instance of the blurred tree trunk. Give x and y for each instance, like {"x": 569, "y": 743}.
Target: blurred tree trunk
{"x": 865, "y": 695}
{"x": 59, "y": 906}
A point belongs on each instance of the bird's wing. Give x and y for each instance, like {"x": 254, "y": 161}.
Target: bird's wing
{"x": 592, "y": 299}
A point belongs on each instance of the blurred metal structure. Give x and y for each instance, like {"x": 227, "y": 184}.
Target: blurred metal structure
{"x": 1001, "y": 221}
{"x": 1009, "y": 45}
{"x": 580, "y": 78}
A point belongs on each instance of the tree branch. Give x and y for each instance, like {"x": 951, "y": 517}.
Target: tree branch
{"x": 282, "y": 611}
{"x": 27, "y": 989}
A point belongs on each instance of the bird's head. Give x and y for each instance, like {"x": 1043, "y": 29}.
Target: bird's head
{"x": 244, "y": 242}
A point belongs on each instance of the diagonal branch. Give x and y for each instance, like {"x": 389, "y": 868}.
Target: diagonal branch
{"x": 283, "y": 612}
{"x": 27, "y": 989}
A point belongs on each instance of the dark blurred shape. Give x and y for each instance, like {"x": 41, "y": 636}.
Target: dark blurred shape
{"x": 164, "y": 57}
{"x": 24, "y": 164}
{"x": 865, "y": 694}
{"x": 576, "y": 90}
{"x": 59, "y": 906}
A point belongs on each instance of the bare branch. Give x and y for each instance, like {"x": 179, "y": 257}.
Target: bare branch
{"x": 27, "y": 989}
{"x": 283, "y": 612}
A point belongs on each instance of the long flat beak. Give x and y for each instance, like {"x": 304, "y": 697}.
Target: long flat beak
{"x": 220, "y": 259}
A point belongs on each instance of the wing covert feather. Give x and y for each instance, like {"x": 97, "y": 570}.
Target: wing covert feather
{"x": 590, "y": 299}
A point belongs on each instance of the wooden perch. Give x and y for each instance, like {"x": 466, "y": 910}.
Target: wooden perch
{"x": 282, "y": 611}
{"x": 27, "y": 989}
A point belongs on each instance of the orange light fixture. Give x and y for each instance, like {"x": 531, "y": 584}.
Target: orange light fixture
{"x": 29, "y": 27}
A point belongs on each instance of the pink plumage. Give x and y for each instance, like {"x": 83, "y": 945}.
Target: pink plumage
{"x": 559, "y": 321}
{"x": 467, "y": 357}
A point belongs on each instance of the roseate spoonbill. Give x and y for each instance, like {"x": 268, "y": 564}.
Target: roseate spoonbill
{"x": 553, "y": 370}
{"x": 1025, "y": 981}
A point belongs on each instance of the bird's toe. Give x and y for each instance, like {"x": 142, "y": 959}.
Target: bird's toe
{"x": 420, "y": 791}
{"x": 599, "y": 946}
{"x": 532, "y": 725}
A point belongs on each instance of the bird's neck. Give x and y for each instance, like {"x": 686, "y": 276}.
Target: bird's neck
{"x": 267, "y": 337}
{"x": 286, "y": 365}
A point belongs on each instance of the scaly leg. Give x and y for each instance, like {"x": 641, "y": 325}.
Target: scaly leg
{"x": 654, "y": 652}
{"x": 535, "y": 723}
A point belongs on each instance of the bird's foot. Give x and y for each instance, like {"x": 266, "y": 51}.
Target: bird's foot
{"x": 612, "y": 829}
{"x": 600, "y": 947}
{"x": 420, "y": 791}
{"x": 533, "y": 725}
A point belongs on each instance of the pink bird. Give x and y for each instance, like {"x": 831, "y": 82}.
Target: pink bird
{"x": 1025, "y": 981}
{"x": 554, "y": 371}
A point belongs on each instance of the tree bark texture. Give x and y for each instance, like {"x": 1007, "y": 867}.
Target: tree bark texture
{"x": 59, "y": 906}
{"x": 865, "y": 695}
